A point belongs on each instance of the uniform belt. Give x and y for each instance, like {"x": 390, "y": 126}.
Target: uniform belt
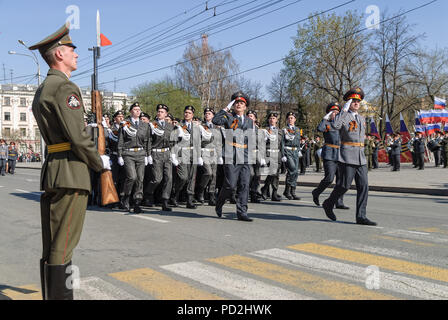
{"x": 291, "y": 148}
{"x": 208, "y": 150}
{"x": 134, "y": 149}
{"x": 332, "y": 145}
{"x": 273, "y": 150}
{"x": 161, "y": 150}
{"x": 59, "y": 147}
{"x": 237, "y": 145}
{"x": 353, "y": 144}
{"x": 187, "y": 148}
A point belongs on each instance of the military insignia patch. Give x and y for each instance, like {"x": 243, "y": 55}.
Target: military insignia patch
{"x": 73, "y": 102}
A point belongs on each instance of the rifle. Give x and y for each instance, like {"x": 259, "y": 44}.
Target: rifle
{"x": 108, "y": 192}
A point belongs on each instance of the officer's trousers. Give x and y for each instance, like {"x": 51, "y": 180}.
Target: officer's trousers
{"x": 161, "y": 171}
{"x": 437, "y": 155}
{"x": 62, "y": 217}
{"x": 420, "y": 160}
{"x": 375, "y": 159}
{"x": 185, "y": 175}
{"x": 331, "y": 170}
{"x": 396, "y": 162}
{"x": 134, "y": 168}
{"x": 292, "y": 167}
{"x": 11, "y": 166}
{"x": 207, "y": 177}
{"x": 236, "y": 177}
{"x": 348, "y": 173}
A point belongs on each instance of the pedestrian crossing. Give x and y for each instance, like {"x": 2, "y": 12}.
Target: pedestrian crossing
{"x": 331, "y": 269}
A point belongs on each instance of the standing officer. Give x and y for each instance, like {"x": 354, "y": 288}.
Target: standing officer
{"x": 437, "y": 151}
{"x": 330, "y": 154}
{"x": 317, "y": 145}
{"x": 419, "y": 149}
{"x": 134, "y": 147}
{"x": 210, "y": 142}
{"x": 352, "y": 160}
{"x": 444, "y": 145}
{"x": 273, "y": 138}
{"x": 12, "y": 157}
{"x": 368, "y": 152}
{"x": 236, "y": 170}
{"x": 375, "y": 149}
{"x": 396, "y": 152}
{"x": 290, "y": 150}
{"x": 112, "y": 145}
{"x": 188, "y": 147}
{"x": 161, "y": 167}
{"x": 59, "y": 111}
{"x": 259, "y": 161}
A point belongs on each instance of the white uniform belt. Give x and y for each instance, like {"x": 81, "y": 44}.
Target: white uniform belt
{"x": 187, "y": 148}
{"x": 134, "y": 149}
{"x": 273, "y": 150}
{"x": 291, "y": 148}
{"x": 206, "y": 149}
{"x": 161, "y": 150}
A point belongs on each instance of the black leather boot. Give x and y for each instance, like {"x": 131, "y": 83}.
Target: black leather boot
{"x": 56, "y": 282}
{"x": 137, "y": 208}
{"x": 42, "y": 277}
{"x": 165, "y": 205}
{"x": 149, "y": 202}
{"x": 276, "y": 196}
{"x": 254, "y": 198}
{"x": 200, "y": 197}
{"x": 293, "y": 194}
{"x": 190, "y": 204}
{"x": 212, "y": 199}
{"x": 265, "y": 192}
{"x": 287, "y": 192}
{"x": 124, "y": 203}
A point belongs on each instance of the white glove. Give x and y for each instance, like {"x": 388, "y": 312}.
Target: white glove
{"x": 262, "y": 162}
{"x": 149, "y": 158}
{"x": 229, "y": 106}
{"x": 146, "y": 161}
{"x": 220, "y": 160}
{"x": 106, "y": 162}
{"x": 174, "y": 160}
{"x": 104, "y": 123}
{"x": 328, "y": 115}
{"x": 300, "y": 154}
{"x": 284, "y": 159}
{"x": 200, "y": 161}
{"x": 347, "y": 105}
{"x": 120, "y": 161}
{"x": 93, "y": 124}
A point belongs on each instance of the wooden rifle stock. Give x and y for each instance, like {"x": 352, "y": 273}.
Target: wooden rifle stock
{"x": 108, "y": 192}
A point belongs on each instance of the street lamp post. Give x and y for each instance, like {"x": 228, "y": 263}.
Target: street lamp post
{"x": 34, "y": 57}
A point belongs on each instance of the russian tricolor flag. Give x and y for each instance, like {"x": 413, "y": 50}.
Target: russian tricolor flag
{"x": 439, "y": 103}
{"x": 389, "y": 129}
{"x": 432, "y": 128}
{"x": 373, "y": 129}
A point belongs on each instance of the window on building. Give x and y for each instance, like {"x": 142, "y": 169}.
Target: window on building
{"x": 22, "y": 116}
{"x": 23, "y": 132}
{"x": 7, "y": 101}
{"x": 7, "y": 116}
{"x": 36, "y": 133}
{"x": 22, "y": 102}
{"x": 7, "y": 132}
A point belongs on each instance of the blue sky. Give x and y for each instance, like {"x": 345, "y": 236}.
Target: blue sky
{"x": 31, "y": 21}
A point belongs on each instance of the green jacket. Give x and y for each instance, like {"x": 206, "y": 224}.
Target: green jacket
{"x": 59, "y": 112}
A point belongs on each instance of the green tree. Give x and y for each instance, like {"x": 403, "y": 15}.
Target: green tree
{"x": 150, "y": 94}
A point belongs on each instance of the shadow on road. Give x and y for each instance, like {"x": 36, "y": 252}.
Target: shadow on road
{"x": 27, "y": 196}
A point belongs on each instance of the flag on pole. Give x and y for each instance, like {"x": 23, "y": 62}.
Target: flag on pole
{"x": 104, "y": 41}
{"x": 388, "y": 126}
{"x": 406, "y": 155}
{"x": 439, "y": 103}
{"x": 432, "y": 128}
{"x": 373, "y": 129}
{"x": 101, "y": 39}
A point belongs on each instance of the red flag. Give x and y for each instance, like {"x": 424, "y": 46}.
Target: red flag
{"x": 104, "y": 40}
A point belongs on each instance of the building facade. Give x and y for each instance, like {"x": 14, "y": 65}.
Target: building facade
{"x": 17, "y": 122}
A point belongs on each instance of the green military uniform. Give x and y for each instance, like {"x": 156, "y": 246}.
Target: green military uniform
{"x": 59, "y": 111}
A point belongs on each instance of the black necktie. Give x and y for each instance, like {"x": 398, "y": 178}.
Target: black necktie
{"x": 162, "y": 124}
{"x": 189, "y": 127}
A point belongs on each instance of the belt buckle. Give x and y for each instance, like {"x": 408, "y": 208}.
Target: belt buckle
{"x": 135, "y": 149}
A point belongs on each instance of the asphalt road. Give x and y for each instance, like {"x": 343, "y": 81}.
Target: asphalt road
{"x": 290, "y": 250}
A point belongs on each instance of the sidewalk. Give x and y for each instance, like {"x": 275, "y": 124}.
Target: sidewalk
{"x": 431, "y": 181}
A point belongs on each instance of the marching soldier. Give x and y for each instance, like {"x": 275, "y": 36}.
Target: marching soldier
{"x": 259, "y": 161}
{"x": 59, "y": 111}
{"x": 112, "y": 144}
{"x": 161, "y": 167}
{"x": 291, "y": 152}
{"x": 236, "y": 154}
{"x": 210, "y": 144}
{"x": 12, "y": 157}
{"x": 273, "y": 138}
{"x": 188, "y": 148}
{"x": 134, "y": 146}
{"x": 352, "y": 160}
{"x": 330, "y": 154}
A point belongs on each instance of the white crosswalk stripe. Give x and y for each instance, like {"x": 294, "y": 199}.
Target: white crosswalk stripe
{"x": 232, "y": 283}
{"x": 416, "y": 235}
{"x": 93, "y": 288}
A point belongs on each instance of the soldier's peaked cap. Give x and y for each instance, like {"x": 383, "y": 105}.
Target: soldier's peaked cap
{"x": 162, "y": 106}
{"x": 135, "y": 104}
{"x": 273, "y": 114}
{"x": 251, "y": 112}
{"x": 333, "y": 106}
{"x": 355, "y": 93}
{"x": 209, "y": 110}
{"x": 191, "y": 108}
{"x": 240, "y": 96}
{"x": 119, "y": 112}
{"x": 59, "y": 38}
{"x": 290, "y": 113}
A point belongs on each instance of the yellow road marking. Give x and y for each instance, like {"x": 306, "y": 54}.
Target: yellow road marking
{"x": 303, "y": 280}
{"x": 412, "y": 268}
{"x": 161, "y": 286}
{"x": 28, "y": 292}
{"x": 420, "y": 243}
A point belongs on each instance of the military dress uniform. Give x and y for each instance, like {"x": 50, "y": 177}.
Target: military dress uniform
{"x": 188, "y": 152}
{"x": 444, "y": 145}
{"x": 316, "y": 146}
{"x": 236, "y": 152}
{"x": 352, "y": 160}
{"x": 290, "y": 147}
{"x": 59, "y": 112}
{"x": 134, "y": 146}
{"x": 112, "y": 147}
{"x": 161, "y": 168}
{"x": 396, "y": 154}
{"x": 419, "y": 149}
{"x": 210, "y": 144}
{"x": 330, "y": 156}
{"x": 12, "y": 159}
{"x": 258, "y": 154}
{"x": 273, "y": 145}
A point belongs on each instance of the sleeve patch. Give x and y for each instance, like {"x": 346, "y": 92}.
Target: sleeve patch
{"x": 73, "y": 102}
